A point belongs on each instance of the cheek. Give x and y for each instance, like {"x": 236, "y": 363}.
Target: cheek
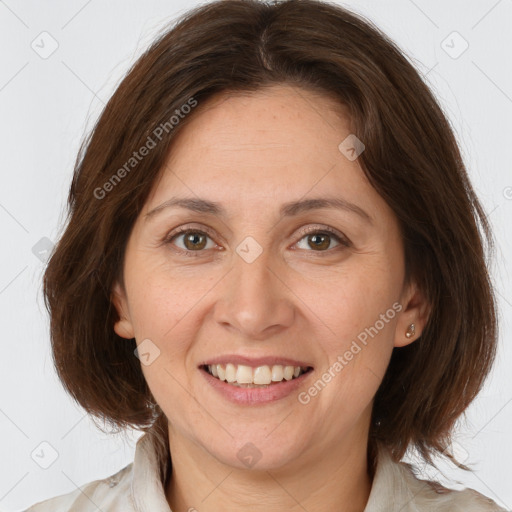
{"x": 359, "y": 309}
{"x": 161, "y": 297}
{"x": 161, "y": 307}
{"x": 164, "y": 307}
{"x": 353, "y": 300}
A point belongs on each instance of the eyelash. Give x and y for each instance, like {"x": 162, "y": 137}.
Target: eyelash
{"x": 305, "y": 232}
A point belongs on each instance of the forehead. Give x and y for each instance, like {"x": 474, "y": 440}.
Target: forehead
{"x": 274, "y": 120}
{"x": 280, "y": 143}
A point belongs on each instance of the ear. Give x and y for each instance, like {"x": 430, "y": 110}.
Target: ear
{"x": 123, "y": 327}
{"x": 415, "y": 311}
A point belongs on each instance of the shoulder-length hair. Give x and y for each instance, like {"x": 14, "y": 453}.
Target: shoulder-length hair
{"x": 411, "y": 158}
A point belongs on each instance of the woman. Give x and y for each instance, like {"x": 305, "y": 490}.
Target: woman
{"x": 273, "y": 267}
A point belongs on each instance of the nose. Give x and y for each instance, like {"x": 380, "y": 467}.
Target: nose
{"x": 254, "y": 299}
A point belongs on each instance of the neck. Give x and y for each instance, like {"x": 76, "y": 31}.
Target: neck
{"x": 320, "y": 479}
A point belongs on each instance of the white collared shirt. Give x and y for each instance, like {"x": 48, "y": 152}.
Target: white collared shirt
{"x": 138, "y": 488}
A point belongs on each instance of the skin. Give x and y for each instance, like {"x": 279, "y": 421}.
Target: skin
{"x": 253, "y": 152}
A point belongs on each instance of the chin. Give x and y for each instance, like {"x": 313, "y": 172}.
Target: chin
{"x": 258, "y": 451}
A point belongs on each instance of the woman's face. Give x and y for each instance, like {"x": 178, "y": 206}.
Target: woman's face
{"x": 265, "y": 278}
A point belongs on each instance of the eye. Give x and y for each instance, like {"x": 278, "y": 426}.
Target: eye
{"x": 320, "y": 240}
{"x": 191, "y": 240}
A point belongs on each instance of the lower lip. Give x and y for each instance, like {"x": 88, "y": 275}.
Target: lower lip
{"x": 251, "y": 396}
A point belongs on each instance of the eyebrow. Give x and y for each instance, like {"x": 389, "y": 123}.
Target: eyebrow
{"x": 290, "y": 209}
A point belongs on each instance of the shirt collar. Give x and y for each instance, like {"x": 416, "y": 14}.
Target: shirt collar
{"x": 394, "y": 486}
{"x": 147, "y": 489}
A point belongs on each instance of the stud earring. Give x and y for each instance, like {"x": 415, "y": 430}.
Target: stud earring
{"x": 410, "y": 331}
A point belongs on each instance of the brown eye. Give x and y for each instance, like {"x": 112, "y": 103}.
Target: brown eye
{"x": 191, "y": 240}
{"x": 319, "y": 241}
{"x": 195, "y": 241}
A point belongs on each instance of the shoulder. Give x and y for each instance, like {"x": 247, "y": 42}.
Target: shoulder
{"x": 428, "y": 496}
{"x": 398, "y": 486}
{"x": 111, "y": 494}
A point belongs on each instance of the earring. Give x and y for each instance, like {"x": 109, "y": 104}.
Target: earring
{"x": 410, "y": 331}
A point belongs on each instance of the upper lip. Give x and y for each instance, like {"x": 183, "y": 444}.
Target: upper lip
{"x": 254, "y": 362}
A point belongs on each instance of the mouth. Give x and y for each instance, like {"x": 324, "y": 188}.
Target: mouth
{"x": 263, "y": 376}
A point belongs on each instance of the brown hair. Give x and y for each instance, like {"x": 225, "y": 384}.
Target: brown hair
{"x": 411, "y": 159}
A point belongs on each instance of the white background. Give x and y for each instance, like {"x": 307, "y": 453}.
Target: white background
{"x": 46, "y": 105}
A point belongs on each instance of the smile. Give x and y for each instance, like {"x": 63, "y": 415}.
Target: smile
{"x": 261, "y": 376}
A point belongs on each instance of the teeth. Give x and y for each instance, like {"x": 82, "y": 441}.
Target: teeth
{"x": 248, "y": 377}
{"x": 288, "y": 372}
{"x": 230, "y": 372}
{"x": 262, "y": 375}
{"x": 244, "y": 374}
{"x": 277, "y": 373}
